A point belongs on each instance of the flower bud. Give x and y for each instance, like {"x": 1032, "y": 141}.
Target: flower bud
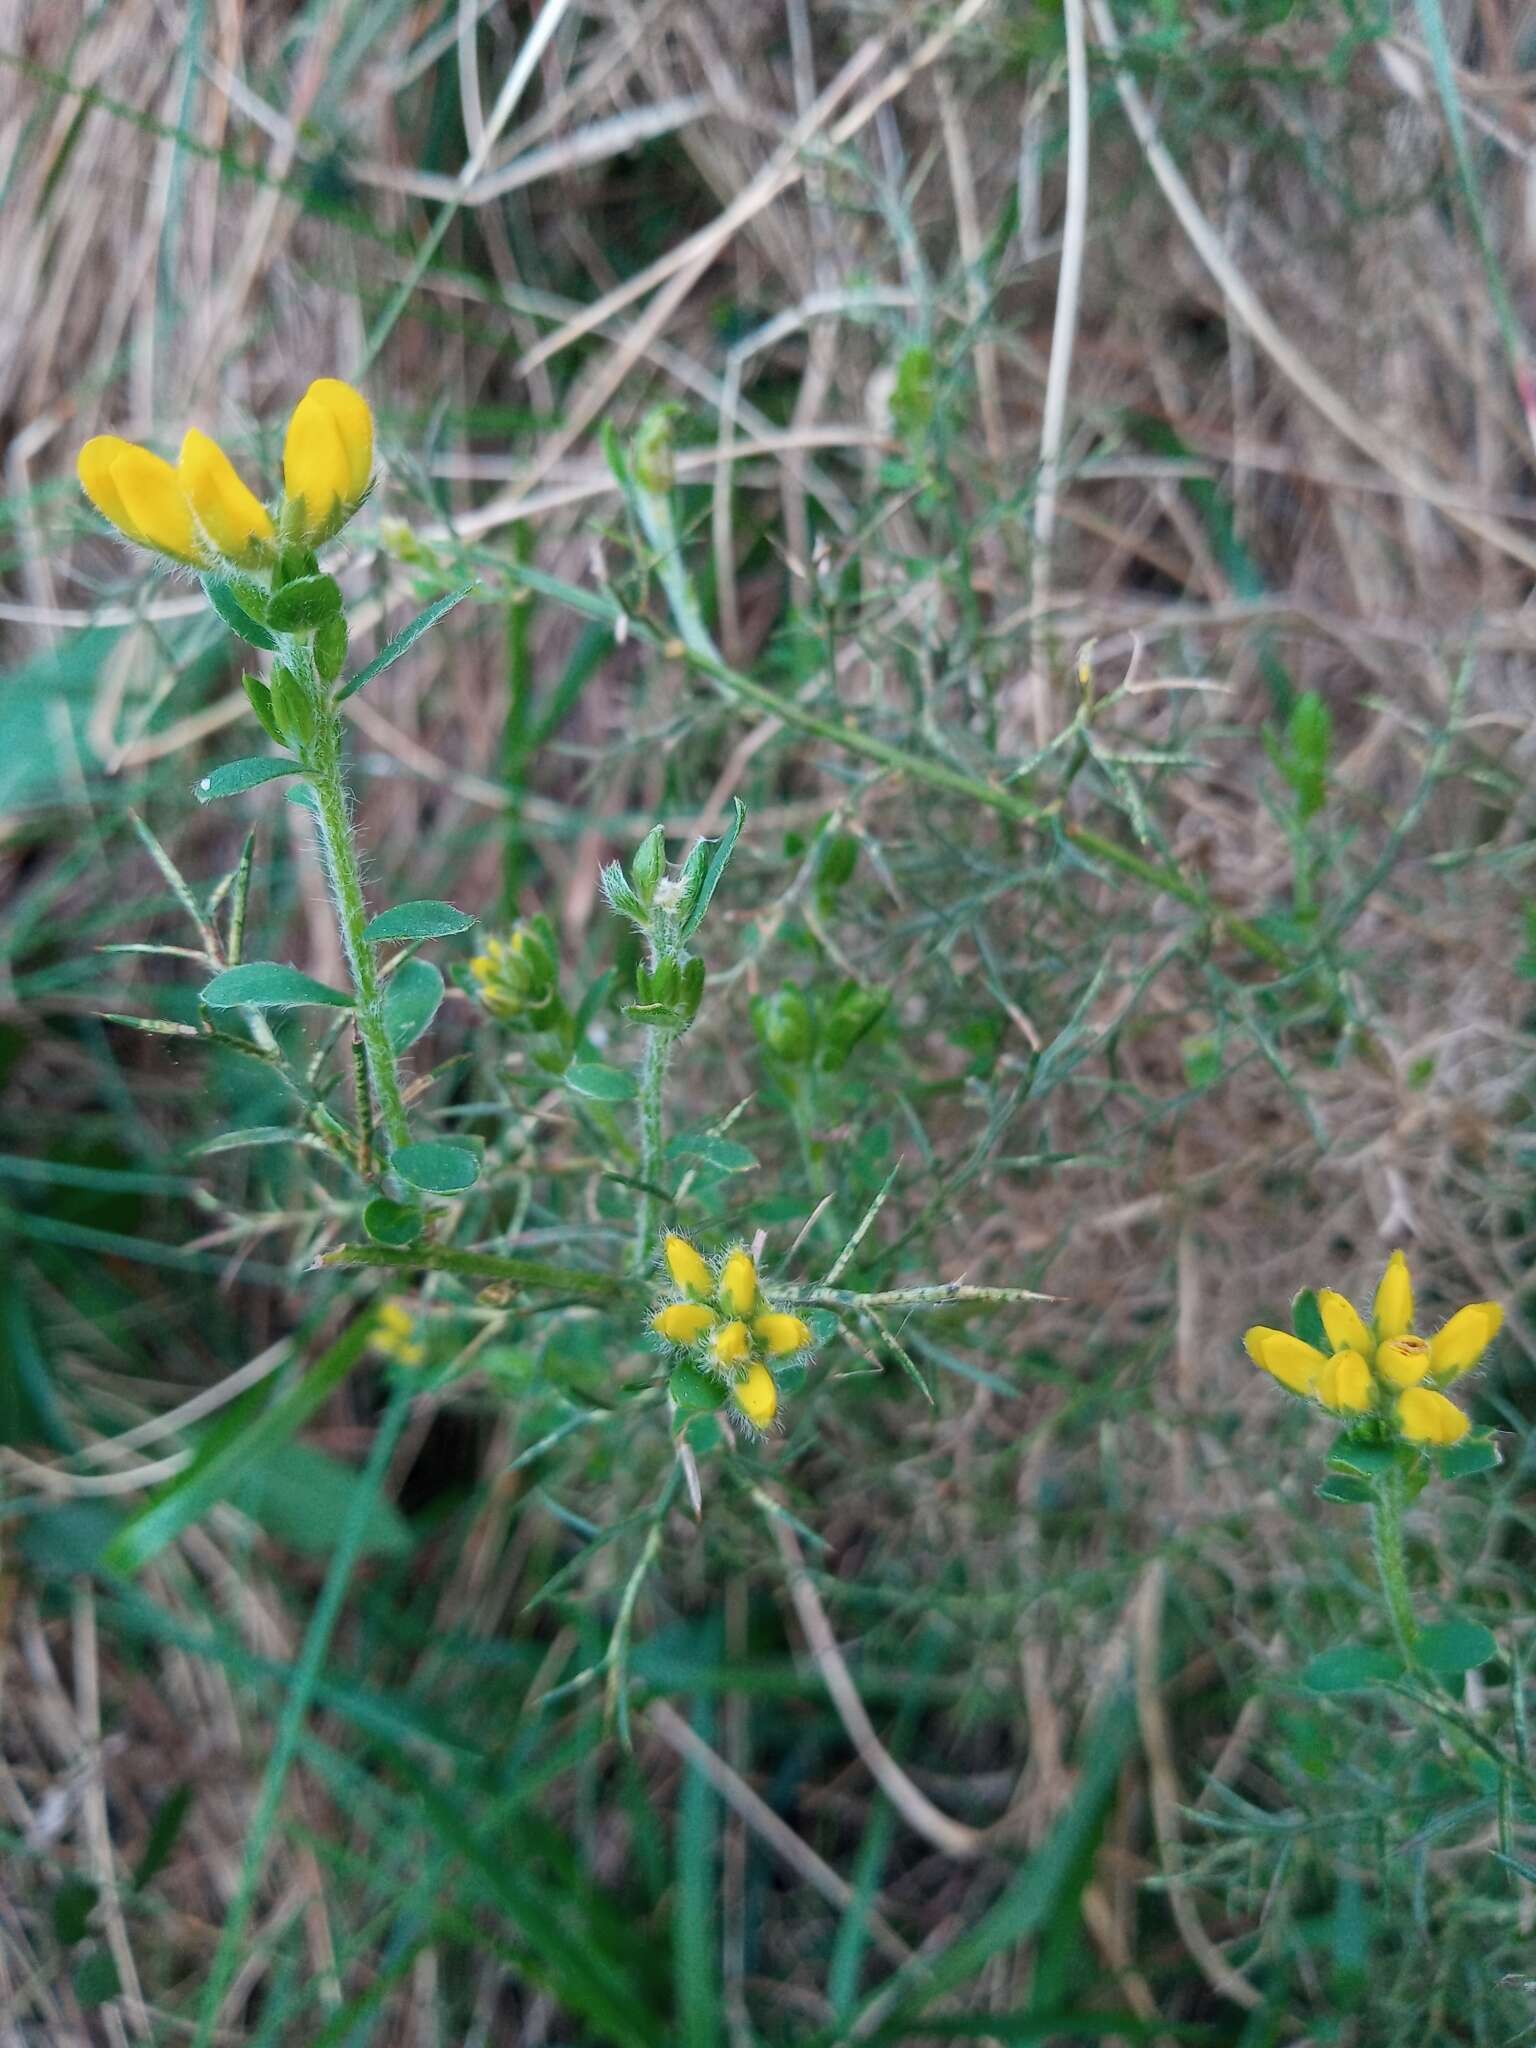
{"x": 141, "y": 494}
{"x": 1294, "y": 1364}
{"x": 732, "y": 1345}
{"x": 327, "y": 458}
{"x": 1458, "y": 1347}
{"x": 1344, "y": 1323}
{"x": 757, "y": 1396}
{"x": 781, "y": 1334}
{"x": 1345, "y": 1384}
{"x": 1394, "y": 1299}
{"x": 689, "y": 1270}
{"x": 1426, "y": 1417}
{"x": 684, "y": 1322}
{"x": 738, "y": 1284}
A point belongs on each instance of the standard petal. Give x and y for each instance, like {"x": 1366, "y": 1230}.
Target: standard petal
{"x": 1345, "y": 1384}
{"x": 689, "y": 1270}
{"x": 780, "y": 1334}
{"x": 757, "y": 1397}
{"x": 684, "y": 1322}
{"x": 230, "y": 513}
{"x": 1402, "y": 1361}
{"x": 1346, "y": 1327}
{"x": 738, "y": 1284}
{"x": 93, "y": 466}
{"x": 317, "y": 472}
{"x": 354, "y": 425}
{"x": 156, "y": 504}
{"x": 1459, "y": 1346}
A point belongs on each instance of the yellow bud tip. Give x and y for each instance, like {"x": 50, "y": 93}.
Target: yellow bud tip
{"x": 1426, "y": 1417}
{"x": 1403, "y": 1361}
{"x": 733, "y": 1344}
{"x": 230, "y": 513}
{"x": 1294, "y": 1364}
{"x": 683, "y": 1322}
{"x": 328, "y": 452}
{"x": 1344, "y": 1384}
{"x": 1458, "y": 1347}
{"x": 1394, "y": 1299}
{"x": 93, "y": 466}
{"x": 1346, "y": 1327}
{"x": 781, "y": 1334}
{"x": 688, "y": 1268}
{"x": 757, "y": 1396}
{"x": 738, "y": 1284}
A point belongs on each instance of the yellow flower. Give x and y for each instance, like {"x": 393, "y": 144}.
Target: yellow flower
{"x": 689, "y": 1270}
{"x": 1402, "y": 1361}
{"x": 394, "y": 1335}
{"x": 231, "y": 515}
{"x": 1394, "y": 1299}
{"x": 327, "y": 456}
{"x": 684, "y": 1322}
{"x": 1458, "y": 1347}
{"x": 1294, "y": 1364}
{"x": 781, "y": 1334}
{"x": 758, "y": 1398}
{"x": 738, "y": 1284}
{"x": 1345, "y": 1384}
{"x": 1344, "y": 1323}
{"x": 1426, "y": 1417}
{"x": 733, "y": 1344}
{"x": 141, "y": 494}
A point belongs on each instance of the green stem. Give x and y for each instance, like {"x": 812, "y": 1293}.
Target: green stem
{"x": 335, "y": 815}
{"x": 442, "y": 1258}
{"x": 653, "y": 1077}
{"x": 1391, "y": 1564}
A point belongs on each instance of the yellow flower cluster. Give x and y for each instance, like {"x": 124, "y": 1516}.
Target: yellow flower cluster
{"x": 394, "y": 1335}
{"x": 199, "y": 511}
{"x": 720, "y": 1316}
{"x": 1383, "y": 1368}
{"x": 517, "y": 978}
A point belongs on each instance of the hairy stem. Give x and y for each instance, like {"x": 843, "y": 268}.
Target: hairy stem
{"x": 335, "y": 817}
{"x": 1391, "y": 1564}
{"x": 653, "y": 1078}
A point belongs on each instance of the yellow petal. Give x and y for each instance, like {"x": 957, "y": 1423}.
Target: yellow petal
{"x": 156, "y": 505}
{"x": 733, "y": 1343}
{"x": 1345, "y": 1384}
{"x": 231, "y": 514}
{"x": 781, "y": 1334}
{"x": 738, "y": 1284}
{"x": 1394, "y": 1299}
{"x": 93, "y": 466}
{"x": 684, "y": 1322}
{"x": 1458, "y": 1347}
{"x": 688, "y": 1269}
{"x": 1294, "y": 1364}
{"x": 1344, "y": 1323}
{"x": 1402, "y": 1361}
{"x": 317, "y": 471}
{"x": 757, "y": 1397}
{"x": 1426, "y": 1417}
{"x": 354, "y": 426}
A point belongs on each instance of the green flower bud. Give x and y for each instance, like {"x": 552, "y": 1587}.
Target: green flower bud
{"x": 784, "y": 1025}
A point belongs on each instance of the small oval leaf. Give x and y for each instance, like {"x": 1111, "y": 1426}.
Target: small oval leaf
{"x": 269, "y": 985}
{"x": 435, "y": 1167}
{"x": 392, "y": 1223}
{"x": 428, "y": 919}
{"x": 300, "y": 607}
{"x": 411, "y": 997}
{"x": 234, "y": 614}
{"x": 1352, "y": 1667}
{"x": 1451, "y": 1647}
{"x": 599, "y": 1083}
{"x": 236, "y": 776}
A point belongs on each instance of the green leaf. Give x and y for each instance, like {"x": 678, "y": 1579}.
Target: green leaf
{"x": 1345, "y": 1489}
{"x": 599, "y": 1083}
{"x": 237, "y": 776}
{"x": 698, "y": 902}
{"x": 724, "y": 1154}
{"x": 1307, "y": 1321}
{"x": 234, "y": 614}
{"x": 163, "y": 1831}
{"x": 411, "y": 998}
{"x": 72, "y": 1906}
{"x": 435, "y": 1167}
{"x": 245, "y": 1436}
{"x": 269, "y": 985}
{"x": 1351, "y": 1667}
{"x": 95, "y": 1978}
{"x": 1477, "y": 1453}
{"x": 1365, "y": 1456}
{"x": 302, "y": 1497}
{"x": 1451, "y": 1647}
{"x": 394, "y": 1223}
{"x": 694, "y": 1391}
{"x": 428, "y": 919}
{"x": 403, "y": 642}
{"x": 302, "y": 606}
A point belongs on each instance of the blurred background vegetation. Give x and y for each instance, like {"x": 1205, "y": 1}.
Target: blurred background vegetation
{"x": 1167, "y": 543}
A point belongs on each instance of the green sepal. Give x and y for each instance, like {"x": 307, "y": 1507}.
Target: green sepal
{"x": 649, "y": 865}
{"x": 304, "y": 606}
